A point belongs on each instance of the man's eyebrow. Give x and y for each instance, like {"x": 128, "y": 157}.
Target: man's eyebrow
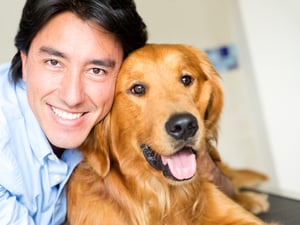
{"x": 52, "y": 51}
{"x": 99, "y": 62}
{"x": 103, "y": 62}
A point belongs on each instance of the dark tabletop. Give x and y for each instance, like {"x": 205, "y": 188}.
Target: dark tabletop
{"x": 283, "y": 210}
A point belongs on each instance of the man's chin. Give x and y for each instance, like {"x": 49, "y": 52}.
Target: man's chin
{"x": 70, "y": 141}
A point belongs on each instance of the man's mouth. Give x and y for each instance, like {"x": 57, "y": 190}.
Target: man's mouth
{"x": 179, "y": 166}
{"x": 66, "y": 115}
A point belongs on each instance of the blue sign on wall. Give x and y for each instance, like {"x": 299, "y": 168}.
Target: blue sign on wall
{"x": 224, "y": 58}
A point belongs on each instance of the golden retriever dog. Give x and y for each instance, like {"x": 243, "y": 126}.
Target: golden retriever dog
{"x": 140, "y": 163}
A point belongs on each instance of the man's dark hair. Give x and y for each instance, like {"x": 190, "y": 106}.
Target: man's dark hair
{"x": 119, "y": 17}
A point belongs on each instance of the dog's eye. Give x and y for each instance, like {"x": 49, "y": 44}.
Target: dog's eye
{"x": 138, "y": 89}
{"x": 187, "y": 80}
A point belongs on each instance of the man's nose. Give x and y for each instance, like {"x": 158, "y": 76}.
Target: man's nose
{"x": 72, "y": 88}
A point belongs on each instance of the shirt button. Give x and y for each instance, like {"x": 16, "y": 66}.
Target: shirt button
{"x": 51, "y": 157}
{"x": 57, "y": 178}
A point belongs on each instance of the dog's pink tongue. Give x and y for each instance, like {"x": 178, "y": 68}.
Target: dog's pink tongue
{"x": 182, "y": 164}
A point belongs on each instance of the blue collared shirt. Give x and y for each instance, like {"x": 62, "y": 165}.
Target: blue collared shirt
{"x": 32, "y": 177}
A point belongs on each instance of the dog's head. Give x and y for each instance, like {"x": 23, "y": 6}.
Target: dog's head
{"x": 166, "y": 109}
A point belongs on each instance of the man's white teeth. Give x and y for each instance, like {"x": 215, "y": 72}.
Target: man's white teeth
{"x": 66, "y": 115}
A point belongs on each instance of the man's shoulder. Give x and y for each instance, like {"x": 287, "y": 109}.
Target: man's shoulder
{"x": 10, "y": 113}
{"x": 6, "y": 84}
{"x": 4, "y": 67}
{"x": 4, "y": 70}
{"x": 8, "y": 94}
{"x": 6, "y": 112}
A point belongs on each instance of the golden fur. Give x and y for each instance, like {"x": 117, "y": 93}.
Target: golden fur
{"x": 116, "y": 185}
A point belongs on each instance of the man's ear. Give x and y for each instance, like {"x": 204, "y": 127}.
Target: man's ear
{"x": 24, "y": 64}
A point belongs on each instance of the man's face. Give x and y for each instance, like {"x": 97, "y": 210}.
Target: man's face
{"x": 70, "y": 73}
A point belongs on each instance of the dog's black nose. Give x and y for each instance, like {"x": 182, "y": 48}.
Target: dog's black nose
{"x": 182, "y": 126}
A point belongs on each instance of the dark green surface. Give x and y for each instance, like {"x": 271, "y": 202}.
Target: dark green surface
{"x": 283, "y": 210}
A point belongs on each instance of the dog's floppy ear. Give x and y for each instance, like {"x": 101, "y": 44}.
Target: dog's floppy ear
{"x": 210, "y": 99}
{"x": 214, "y": 104}
{"x": 96, "y": 148}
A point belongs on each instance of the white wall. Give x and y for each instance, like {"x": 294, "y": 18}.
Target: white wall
{"x": 272, "y": 38}
{"x": 10, "y": 12}
{"x": 203, "y": 23}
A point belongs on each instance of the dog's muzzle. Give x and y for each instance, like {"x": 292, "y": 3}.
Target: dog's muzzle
{"x": 179, "y": 166}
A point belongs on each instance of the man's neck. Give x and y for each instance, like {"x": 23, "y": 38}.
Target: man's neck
{"x": 57, "y": 151}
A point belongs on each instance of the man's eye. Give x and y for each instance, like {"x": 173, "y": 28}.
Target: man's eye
{"x": 53, "y": 62}
{"x": 98, "y": 71}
